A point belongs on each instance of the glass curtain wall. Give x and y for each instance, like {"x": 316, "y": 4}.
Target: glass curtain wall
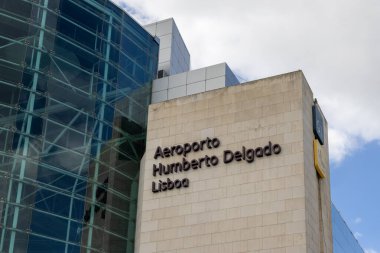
{"x": 75, "y": 84}
{"x": 343, "y": 239}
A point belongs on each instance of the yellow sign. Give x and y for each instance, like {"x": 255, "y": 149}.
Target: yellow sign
{"x": 320, "y": 159}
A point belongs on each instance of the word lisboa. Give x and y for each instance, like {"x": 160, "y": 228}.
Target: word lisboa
{"x": 229, "y": 156}
{"x": 169, "y": 184}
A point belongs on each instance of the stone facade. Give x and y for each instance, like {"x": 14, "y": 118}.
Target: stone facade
{"x": 274, "y": 204}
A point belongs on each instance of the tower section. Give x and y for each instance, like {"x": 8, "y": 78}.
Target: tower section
{"x": 234, "y": 170}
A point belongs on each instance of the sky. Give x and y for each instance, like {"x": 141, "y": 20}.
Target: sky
{"x": 337, "y": 46}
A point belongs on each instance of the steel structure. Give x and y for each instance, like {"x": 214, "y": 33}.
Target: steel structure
{"x": 75, "y": 83}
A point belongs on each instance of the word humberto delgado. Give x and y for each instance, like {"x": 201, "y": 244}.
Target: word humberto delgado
{"x": 245, "y": 154}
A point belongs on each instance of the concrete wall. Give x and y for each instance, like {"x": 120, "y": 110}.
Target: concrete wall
{"x": 269, "y": 205}
{"x": 317, "y": 191}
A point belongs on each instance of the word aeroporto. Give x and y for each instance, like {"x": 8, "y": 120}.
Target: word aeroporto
{"x": 186, "y": 148}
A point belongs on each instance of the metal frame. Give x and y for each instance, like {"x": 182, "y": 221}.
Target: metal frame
{"x": 30, "y": 108}
{"x": 27, "y": 153}
{"x": 100, "y": 132}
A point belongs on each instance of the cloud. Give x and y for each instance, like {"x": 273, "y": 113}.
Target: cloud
{"x": 358, "y": 220}
{"x": 334, "y": 43}
{"x": 341, "y": 144}
{"x": 369, "y": 250}
{"x": 358, "y": 235}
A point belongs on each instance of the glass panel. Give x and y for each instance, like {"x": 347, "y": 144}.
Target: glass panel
{"x": 38, "y": 244}
{"x": 343, "y": 239}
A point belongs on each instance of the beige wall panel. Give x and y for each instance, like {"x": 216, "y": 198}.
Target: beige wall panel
{"x": 269, "y": 205}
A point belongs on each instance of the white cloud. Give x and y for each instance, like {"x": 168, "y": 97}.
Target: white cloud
{"x": 358, "y": 220}
{"x": 370, "y": 251}
{"x": 341, "y": 144}
{"x": 335, "y": 43}
{"x": 358, "y": 235}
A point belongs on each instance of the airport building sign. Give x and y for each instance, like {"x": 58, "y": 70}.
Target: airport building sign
{"x": 245, "y": 154}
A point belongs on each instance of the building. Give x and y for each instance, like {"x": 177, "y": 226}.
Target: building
{"x": 260, "y": 194}
{"x": 75, "y": 87}
{"x": 76, "y": 81}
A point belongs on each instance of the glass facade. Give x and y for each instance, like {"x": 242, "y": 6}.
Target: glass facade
{"x": 75, "y": 84}
{"x": 343, "y": 239}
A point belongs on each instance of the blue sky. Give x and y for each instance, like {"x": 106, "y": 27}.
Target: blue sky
{"x": 337, "y": 46}
{"x": 355, "y": 189}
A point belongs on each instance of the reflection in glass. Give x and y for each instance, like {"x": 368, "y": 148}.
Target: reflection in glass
{"x": 343, "y": 239}
{"x": 75, "y": 83}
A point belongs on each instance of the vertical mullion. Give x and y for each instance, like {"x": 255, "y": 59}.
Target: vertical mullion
{"x": 132, "y": 215}
{"x": 100, "y": 137}
{"x": 30, "y": 107}
{"x": 87, "y": 151}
